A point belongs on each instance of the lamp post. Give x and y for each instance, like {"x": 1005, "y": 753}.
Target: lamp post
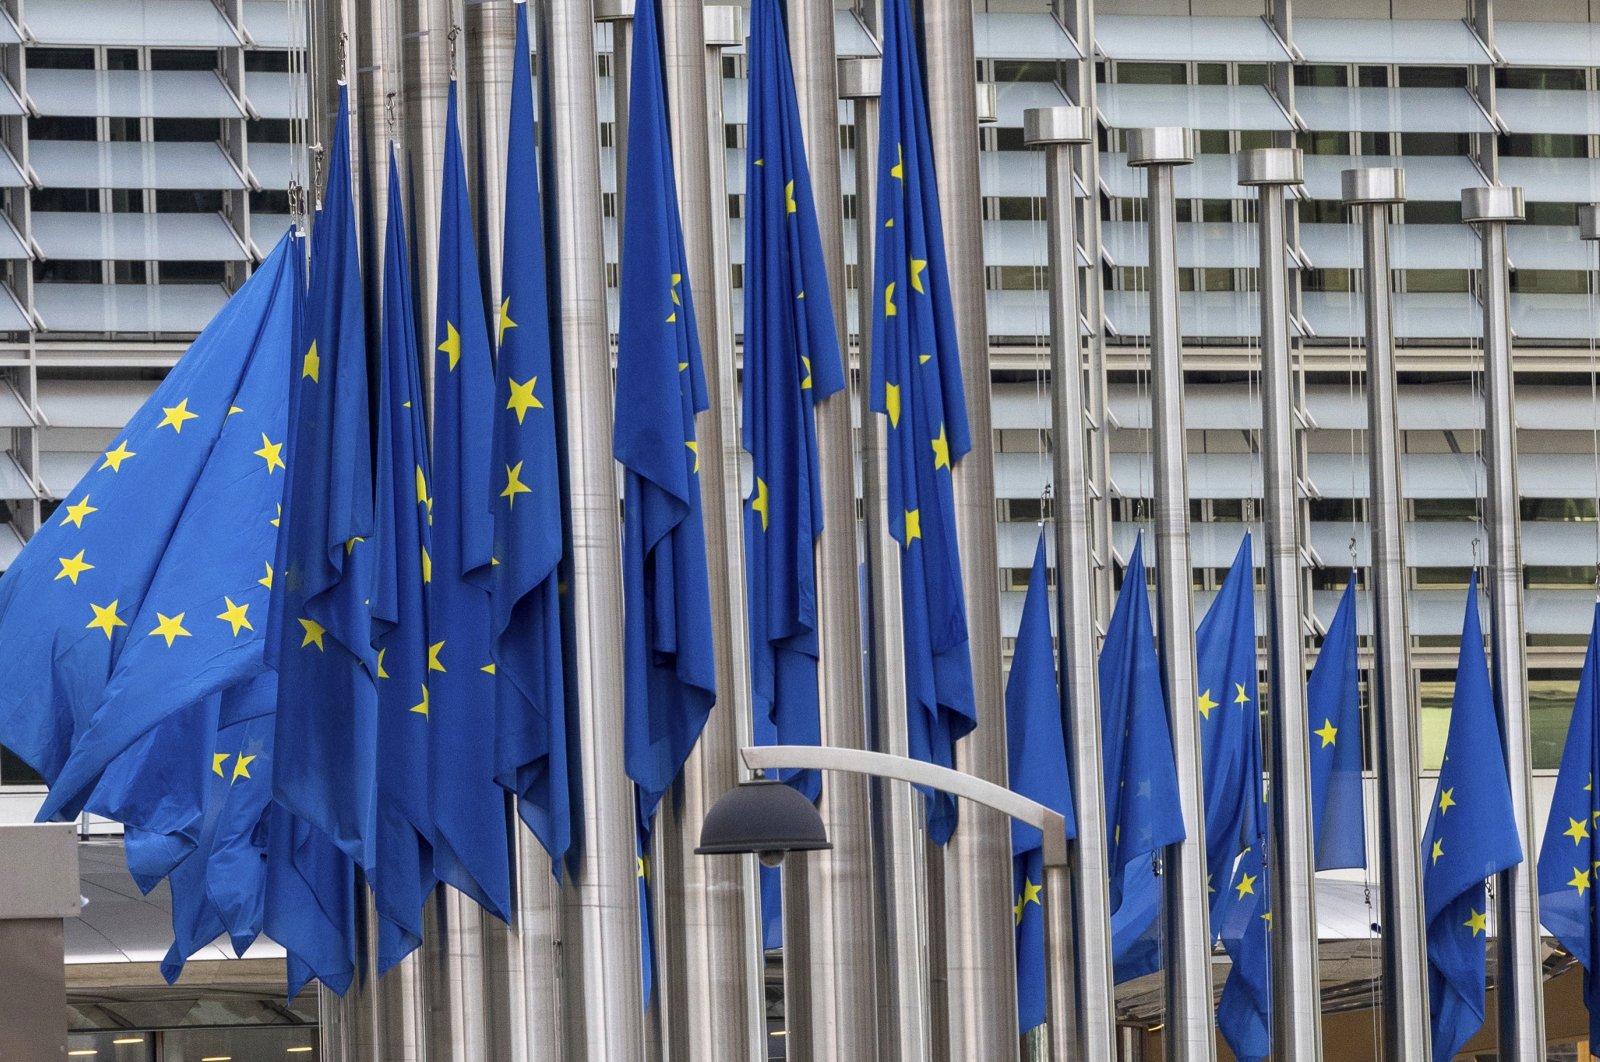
{"x": 770, "y": 819}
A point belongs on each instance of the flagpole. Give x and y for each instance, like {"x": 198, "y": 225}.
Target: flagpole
{"x": 1190, "y": 1027}
{"x": 979, "y": 937}
{"x": 1057, "y": 130}
{"x": 1519, "y": 979}
{"x": 1296, "y": 988}
{"x": 603, "y": 997}
{"x": 1406, "y": 1030}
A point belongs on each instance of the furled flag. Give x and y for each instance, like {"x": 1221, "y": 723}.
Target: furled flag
{"x": 916, "y": 383}
{"x": 1333, "y": 701}
{"x": 470, "y": 845}
{"x": 647, "y": 934}
{"x": 143, "y": 593}
{"x": 1567, "y": 859}
{"x": 325, "y": 758}
{"x": 1142, "y": 813}
{"x": 530, "y": 705}
{"x": 404, "y": 875}
{"x": 1037, "y": 749}
{"x": 1471, "y": 835}
{"x": 669, "y": 674}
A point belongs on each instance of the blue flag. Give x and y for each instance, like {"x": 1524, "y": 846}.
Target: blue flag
{"x": 1471, "y": 835}
{"x": 404, "y": 875}
{"x": 1333, "y": 700}
{"x": 1244, "y": 1013}
{"x": 1141, "y": 776}
{"x": 310, "y": 905}
{"x": 1567, "y": 858}
{"x": 1037, "y": 750}
{"x": 669, "y": 673}
{"x": 530, "y": 711}
{"x": 916, "y": 383}
{"x": 320, "y": 642}
{"x": 470, "y": 836}
{"x": 791, "y": 360}
{"x": 143, "y": 593}
{"x": 647, "y": 934}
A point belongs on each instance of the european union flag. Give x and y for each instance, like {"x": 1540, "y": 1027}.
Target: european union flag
{"x": 1333, "y": 699}
{"x": 669, "y": 675}
{"x": 470, "y": 845}
{"x": 321, "y": 638}
{"x": 647, "y": 934}
{"x": 1567, "y": 859}
{"x": 1140, "y": 772}
{"x": 143, "y": 593}
{"x": 404, "y": 875}
{"x": 791, "y": 360}
{"x": 916, "y": 383}
{"x": 1037, "y": 751}
{"x": 1244, "y": 1012}
{"x": 1471, "y": 835}
{"x": 530, "y": 710}
{"x": 310, "y": 902}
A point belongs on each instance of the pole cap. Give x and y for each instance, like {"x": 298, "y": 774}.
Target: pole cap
{"x": 1273, "y": 165}
{"x": 1497, "y": 203}
{"x": 1373, "y": 184}
{"x": 724, "y": 26}
{"x": 1589, "y": 222}
{"x": 988, "y": 103}
{"x": 1056, "y": 125}
{"x": 860, "y": 78}
{"x": 613, "y": 10}
{"x": 1163, "y": 145}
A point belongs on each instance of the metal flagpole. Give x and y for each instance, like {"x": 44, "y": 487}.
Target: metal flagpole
{"x": 1191, "y": 1029}
{"x": 1057, "y": 130}
{"x": 1519, "y": 980}
{"x": 424, "y": 35}
{"x": 979, "y": 937}
{"x": 1406, "y": 1031}
{"x": 1296, "y": 990}
{"x": 601, "y": 945}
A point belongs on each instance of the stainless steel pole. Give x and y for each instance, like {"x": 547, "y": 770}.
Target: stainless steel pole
{"x": 1519, "y": 979}
{"x": 978, "y": 942}
{"x": 618, "y": 14}
{"x": 1057, "y": 130}
{"x": 488, "y": 39}
{"x": 1191, "y": 1027}
{"x": 1406, "y": 1030}
{"x": 1296, "y": 988}
{"x": 424, "y": 28}
{"x": 603, "y": 992}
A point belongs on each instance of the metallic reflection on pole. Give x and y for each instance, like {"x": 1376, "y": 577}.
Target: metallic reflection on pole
{"x": 1057, "y": 130}
{"x": 424, "y": 29}
{"x": 1296, "y": 989}
{"x": 1190, "y": 1034}
{"x": 1519, "y": 957}
{"x": 1406, "y": 1030}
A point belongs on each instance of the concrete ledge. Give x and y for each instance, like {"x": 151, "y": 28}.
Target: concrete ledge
{"x": 38, "y": 871}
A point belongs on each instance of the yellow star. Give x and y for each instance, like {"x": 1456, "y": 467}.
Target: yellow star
{"x": 234, "y": 409}
{"x": 505, "y": 320}
{"x": 789, "y": 205}
{"x": 314, "y": 632}
{"x": 381, "y": 653}
{"x": 451, "y": 344}
{"x": 217, "y": 760}
{"x": 1587, "y": 788}
{"x": 266, "y": 580}
{"x": 1267, "y": 918}
{"x": 1031, "y": 892}
{"x": 941, "y": 450}
{"x": 76, "y": 513}
{"x": 427, "y": 566}
{"x": 72, "y": 567}
{"x": 1578, "y": 831}
{"x": 1329, "y": 733}
{"x": 433, "y": 656}
{"x": 176, "y": 415}
{"x": 522, "y": 398}
{"x": 1240, "y": 697}
{"x": 641, "y": 867}
{"x": 677, "y": 278}
{"x": 241, "y": 768}
{"x": 1246, "y": 886}
{"x": 514, "y": 485}
{"x": 1205, "y": 704}
{"x": 271, "y": 453}
{"x": 312, "y": 364}
{"x": 891, "y": 403}
{"x": 898, "y": 170}
{"x": 488, "y": 669}
{"x": 1580, "y": 880}
{"x": 1438, "y": 849}
{"x": 235, "y": 616}
{"x": 1447, "y": 799}
{"x": 1478, "y": 922}
{"x": 917, "y": 266}
{"x": 422, "y": 490}
{"x": 805, "y": 384}
{"x": 1016, "y": 911}
{"x": 913, "y": 526}
{"x": 694, "y": 448}
{"x": 350, "y": 544}
{"x": 276, "y": 520}
{"x": 170, "y": 628}
{"x": 422, "y": 709}
{"x": 114, "y": 458}
{"x": 888, "y": 300}
{"x": 760, "y": 503}
{"x": 105, "y": 618}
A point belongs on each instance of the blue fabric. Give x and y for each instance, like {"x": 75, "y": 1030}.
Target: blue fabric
{"x": 1471, "y": 835}
{"x": 1567, "y": 858}
{"x": 647, "y": 935}
{"x": 1037, "y": 756}
{"x": 470, "y": 835}
{"x": 1333, "y": 700}
{"x": 1244, "y": 1013}
{"x": 530, "y": 702}
{"x": 791, "y": 359}
{"x": 403, "y": 876}
{"x": 669, "y": 673}
{"x": 310, "y": 902}
{"x": 916, "y": 383}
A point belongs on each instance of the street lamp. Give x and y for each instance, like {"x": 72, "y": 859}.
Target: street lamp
{"x": 769, "y": 819}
